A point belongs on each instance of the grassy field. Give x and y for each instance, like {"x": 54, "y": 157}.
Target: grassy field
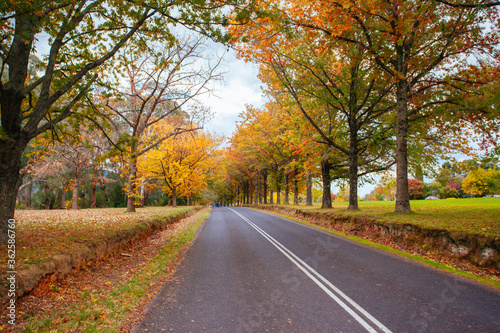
{"x": 479, "y": 216}
{"x": 43, "y": 233}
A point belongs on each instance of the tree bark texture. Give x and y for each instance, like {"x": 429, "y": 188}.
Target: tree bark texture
{"x": 309, "y": 198}
{"x": 278, "y": 194}
{"x": 93, "y": 196}
{"x": 147, "y": 192}
{"x": 174, "y": 196}
{"x": 353, "y": 172}
{"x": 264, "y": 180}
{"x": 11, "y": 152}
{"x": 402, "y": 192}
{"x": 256, "y": 192}
{"x": 287, "y": 190}
{"x": 295, "y": 190}
{"x": 76, "y": 184}
{"x": 132, "y": 175}
{"x": 46, "y": 190}
{"x": 325, "y": 174}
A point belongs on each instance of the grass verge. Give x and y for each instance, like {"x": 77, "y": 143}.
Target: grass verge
{"x": 40, "y": 234}
{"x": 444, "y": 267}
{"x": 478, "y": 216}
{"x": 107, "y": 308}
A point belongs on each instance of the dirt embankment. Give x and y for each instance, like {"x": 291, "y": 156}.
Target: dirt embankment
{"x": 478, "y": 250}
{"x": 60, "y": 264}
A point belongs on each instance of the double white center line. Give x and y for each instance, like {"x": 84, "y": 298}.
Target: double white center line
{"x": 356, "y": 311}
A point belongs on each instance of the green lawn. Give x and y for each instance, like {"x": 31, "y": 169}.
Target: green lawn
{"x": 476, "y": 216}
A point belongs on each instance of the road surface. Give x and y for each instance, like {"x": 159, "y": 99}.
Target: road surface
{"x": 251, "y": 271}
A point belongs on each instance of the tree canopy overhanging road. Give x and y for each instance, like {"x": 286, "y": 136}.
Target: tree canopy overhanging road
{"x": 250, "y": 271}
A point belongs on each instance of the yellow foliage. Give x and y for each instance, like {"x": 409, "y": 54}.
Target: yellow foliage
{"x": 182, "y": 163}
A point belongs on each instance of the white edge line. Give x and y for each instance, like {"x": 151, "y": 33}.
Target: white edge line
{"x": 322, "y": 286}
{"x": 337, "y": 290}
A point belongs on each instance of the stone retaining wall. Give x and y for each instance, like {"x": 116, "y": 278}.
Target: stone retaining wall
{"x": 479, "y": 250}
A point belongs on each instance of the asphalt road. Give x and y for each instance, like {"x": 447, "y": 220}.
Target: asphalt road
{"x": 250, "y": 271}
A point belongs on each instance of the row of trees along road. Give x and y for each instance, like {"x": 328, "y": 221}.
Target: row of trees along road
{"x": 83, "y": 38}
{"x": 376, "y": 83}
{"x": 421, "y": 47}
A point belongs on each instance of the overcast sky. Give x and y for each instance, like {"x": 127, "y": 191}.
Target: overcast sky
{"x": 240, "y": 87}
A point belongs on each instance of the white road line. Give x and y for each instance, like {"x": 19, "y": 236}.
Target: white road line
{"x": 337, "y": 290}
{"x": 308, "y": 270}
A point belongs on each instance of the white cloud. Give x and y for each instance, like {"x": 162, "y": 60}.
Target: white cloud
{"x": 241, "y": 86}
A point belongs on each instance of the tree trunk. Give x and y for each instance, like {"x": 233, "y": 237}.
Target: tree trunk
{"x": 245, "y": 193}
{"x": 278, "y": 187}
{"x": 264, "y": 176}
{"x": 256, "y": 192}
{"x": 271, "y": 199}
{"x": 46, "y": 190}
{"x": 56, "y": 196}
{"x": 93, "y": 195}
{"x": 260, "y": 192}
{"x": 13, "y": 140}
{"x": 188, "y": 200}
{"x": 249, "y": 192}
{"x": 295, "y": 189}
{"x": 261, "y": 188}
{"x": 278, "y": 194}
{"x": 174, "y": 196}
{"x": 141, "y": 191}
{"x": 250, "y": 187}
{"x": 402, "y": 190}
{"x": 238, "y": 196}
{"x": 74, "y": 201}
{"x": 132, "y": 175}
{"x": 309, "y": 198}
{"x": 325, "y": 174}
{"x": 353, "y": 172}
{"x": 10, "y": 180}
{"x": 287, "y": 190}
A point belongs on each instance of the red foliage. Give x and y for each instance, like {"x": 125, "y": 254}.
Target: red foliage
{"x": 416, "y": 188}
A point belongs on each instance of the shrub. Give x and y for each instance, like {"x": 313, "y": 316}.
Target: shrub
{"x": 482, "y": 182}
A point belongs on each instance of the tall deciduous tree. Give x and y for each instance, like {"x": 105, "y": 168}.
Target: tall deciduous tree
{"x": 82, "y": 36}
{"x": 161, "y": 84}
{"x": 423, "y": 45}
{"x": 337, "y": 89}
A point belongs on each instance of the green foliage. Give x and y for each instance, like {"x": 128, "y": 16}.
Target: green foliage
{"x": 116, "y": 196}
{"x": 432, "y": 189}
{"x": 448, "y": 192}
